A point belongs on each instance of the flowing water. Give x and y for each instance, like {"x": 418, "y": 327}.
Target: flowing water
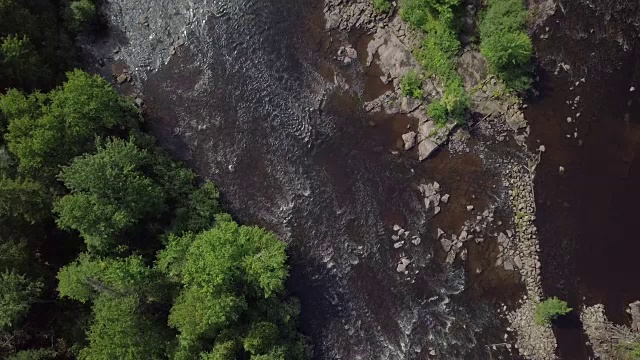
{"x": 256, "y": 102}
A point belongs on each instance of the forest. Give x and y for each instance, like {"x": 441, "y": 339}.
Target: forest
{"x": 109, "y": 249}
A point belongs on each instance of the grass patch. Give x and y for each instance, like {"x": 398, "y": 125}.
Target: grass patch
{"x": 505, "y": 42}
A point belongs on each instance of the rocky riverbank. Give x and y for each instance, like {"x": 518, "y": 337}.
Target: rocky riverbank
{"x": 518, "y": 250}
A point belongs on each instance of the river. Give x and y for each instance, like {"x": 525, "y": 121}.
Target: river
{"x": 587, "y": 217}
{"x": 253, "y": 97}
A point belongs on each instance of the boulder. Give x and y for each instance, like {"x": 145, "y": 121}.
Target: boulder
{"x": 409, "y": 140}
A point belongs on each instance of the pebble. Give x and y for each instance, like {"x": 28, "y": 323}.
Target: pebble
{"x": 398, "y": 244}
{"x": 470, "y": 207}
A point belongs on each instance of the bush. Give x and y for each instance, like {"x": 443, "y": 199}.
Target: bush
{"x": 550, "y": 309}
{"x": 437, "y": 55}
{"x": 410, "y": 85}
{"x": 382, "y": 6}
{"x": 505, "y": 43}
{"x": 419, "y": 13}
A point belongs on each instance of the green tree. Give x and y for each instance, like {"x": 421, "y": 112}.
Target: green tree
{"x": 232, "y": 277}
{"x": 550, "y": 309}
{"x": 81, "y": 14}
{"x": 23, "y": 200}
{"x": 19, "y": 62}
{"x": 505, "y": 42}
{"x": 48, "y": 130}
{"x": 222, "y": 351}
{"x": 17, "y": 293}
{"x": 90, "y": 276}
{"x": 199, "y": 212}
{"x": 261, "y": 338}
{"x": 34, "y": 354}
{"x": 120, "y": 331}
{"x": 110, "y": 192}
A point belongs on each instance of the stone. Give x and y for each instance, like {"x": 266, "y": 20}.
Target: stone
{"x": 426, "y": 148}
{"x": 416, "y": 240}
{"x": 446, "y": 244}
{"x": 395, "y": 237}
{"x": 398, "y": 244}
{"x": 122, "y": 78}
{"x": 440, "y": 232}
{"x": 401, "y": 231}
{"x": 463, "y": 254}
{"x": 396, "y": 227}
{"x": 542, "y": 148}
{"x": 436, "y": 210}
{"x": 445, "y": 198}
{"x": 470, "y": 207}
{"x": 409, "y": 140}
{"x": 139, "y": 102}
{"x": 561, "y": 170}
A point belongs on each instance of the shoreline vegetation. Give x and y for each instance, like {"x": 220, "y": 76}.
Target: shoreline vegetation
{"x": 109, "y": 249}
{"x": 504, "y": 42}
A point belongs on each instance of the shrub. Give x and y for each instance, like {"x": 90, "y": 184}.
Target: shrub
{"x": 505, "y": 43}
{"x": 419, "y": 13}
{"x": 550, "y": 309}
{"x": 410, "y": 85}
{"x": 382, "y": 6}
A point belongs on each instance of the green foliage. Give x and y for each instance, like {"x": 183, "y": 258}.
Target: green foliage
{"x": 110, "y": 192}
{"x": 420, "y": 13}
{"x": 628, "y": 350}
{"x": 120, "y": 331}
{"x": 23, "y": 200}
{"x": 89, "y": 277}
{"x": 411, "y": 85}
{"x": 13, "y": 254}
{"x": 261, "y": 338}
{"x": 199, "y": 212}
{"x": 231, "y": 274}
{"x": 17, "y": 293}
{"x": 36, "y": 354}
{"x": 506, "y": 44}
{"x": 48, "y": 51}
{"x": 48, "y": 130}
{"x": 19, "y": 61}
{"x": 222, "y": 351}
{"x": 550, "y": 309}
{"x": 382, "y": 6}
{"x": 82, "y": 13}
{"x": 437, "y": 54}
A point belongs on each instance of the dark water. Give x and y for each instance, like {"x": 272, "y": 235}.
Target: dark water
{"x": 251, "y": 102}
{"x": 588, "y": 218}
